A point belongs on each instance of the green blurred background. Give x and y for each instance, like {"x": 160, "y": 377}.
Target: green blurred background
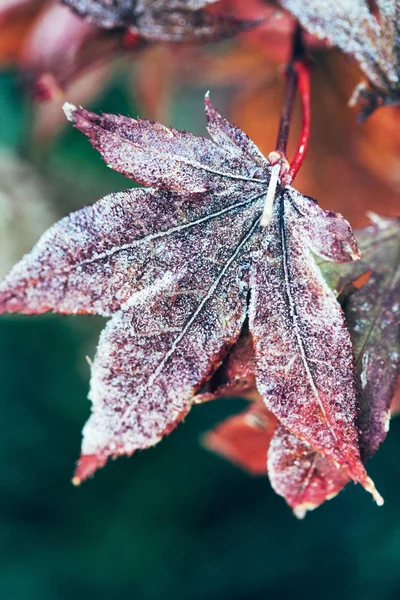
{"x": 174, "y": 522}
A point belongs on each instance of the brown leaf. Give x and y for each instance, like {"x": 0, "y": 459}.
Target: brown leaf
{"x": 371, "y": 37}
{"x": 333, "y": 142}
{"x": 15, "y": 21}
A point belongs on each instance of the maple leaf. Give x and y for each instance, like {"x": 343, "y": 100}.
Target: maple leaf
{"x": 369, "y": 36}
{"x": 174, "y": 266}
{"x": 303, "y": 476}
{"x": 162, "y": 20}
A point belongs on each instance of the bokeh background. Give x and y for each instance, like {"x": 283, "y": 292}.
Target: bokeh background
{"x": 174, "y": 522}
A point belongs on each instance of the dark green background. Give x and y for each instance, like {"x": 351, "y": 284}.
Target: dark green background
{"x": 174, "y": 522}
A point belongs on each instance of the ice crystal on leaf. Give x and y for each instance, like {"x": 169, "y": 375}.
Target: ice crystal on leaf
{"x": 179, "y": 267}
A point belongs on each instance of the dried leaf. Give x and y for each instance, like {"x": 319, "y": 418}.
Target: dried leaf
{"x": 25, "y": 208}
{"x": 173, "y": 266}
{"x": 161, "y": 20}
{"x": 369, "y": 36}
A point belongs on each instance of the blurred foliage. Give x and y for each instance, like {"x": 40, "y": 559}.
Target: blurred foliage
{"x": 14, "y": 111}
{"x": 174, "y": 522}
{"x": 69, "y": 160}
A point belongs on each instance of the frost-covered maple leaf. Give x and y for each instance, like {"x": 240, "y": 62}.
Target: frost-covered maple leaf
{"x": 179, "y": 267}
{"x": 162, "y": 20}
{"x": 370, "y": 291}
{"x": 367, "y": 31}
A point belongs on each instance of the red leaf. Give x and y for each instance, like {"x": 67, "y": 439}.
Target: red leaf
{"x": 307, "y": 376}
{"x": 174, "y": 266}
{"x": 304, "y": 477}
{"x": 244, "y": 439}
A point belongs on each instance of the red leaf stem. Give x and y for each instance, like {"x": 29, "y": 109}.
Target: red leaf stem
{"x": 302, "y": 70}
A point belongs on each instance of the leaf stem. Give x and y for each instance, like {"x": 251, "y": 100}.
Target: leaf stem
{"x": 303, "y": 84}
{"x": 297, "y": 81}
{"x": 290, "y": 92}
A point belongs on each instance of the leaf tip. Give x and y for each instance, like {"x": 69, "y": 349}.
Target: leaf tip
{"x": 355, "y": 254}
{"x": 301, "y": 510}
{"x": 208, "y": 104}
{"x": 87, "y": 466}
{"x": 369, "y": 486}
{"x": 69, "y": 110}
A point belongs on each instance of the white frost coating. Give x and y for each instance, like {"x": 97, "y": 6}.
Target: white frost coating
{"x": 386, "y": 420}
{"x": 364, "y": 370}
{"x": 162, "y": 285}
{"x": 100, "y": 256}
{"x": 301, "y": 510}
{"x": 69, "y": 110}
{"x": 151, "y": 346}
{"x": 198, "y": 310}
{"x": 172, "y": 266}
